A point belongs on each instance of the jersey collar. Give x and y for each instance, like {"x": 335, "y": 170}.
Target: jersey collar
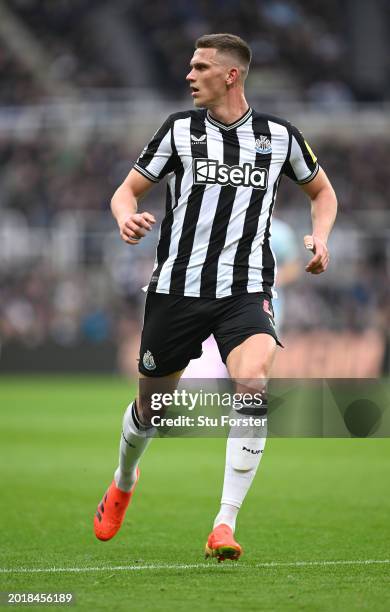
{"x": 230, "y": 126}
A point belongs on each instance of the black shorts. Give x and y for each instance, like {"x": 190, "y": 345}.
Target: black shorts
{"x": 175, "y": 327}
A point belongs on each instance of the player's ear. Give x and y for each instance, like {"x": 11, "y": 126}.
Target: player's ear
{"x": 232, "y": 76}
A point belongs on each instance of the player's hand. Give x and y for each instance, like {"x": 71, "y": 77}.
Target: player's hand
{"x": 135, "y": 227}
{"x": 320, "y": 261}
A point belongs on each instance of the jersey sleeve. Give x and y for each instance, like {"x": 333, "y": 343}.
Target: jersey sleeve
{"x": 301, "y": 164}
{"x": 159, "y": 156}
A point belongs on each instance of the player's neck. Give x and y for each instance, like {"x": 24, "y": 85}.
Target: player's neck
{"x": 229, "y": 110}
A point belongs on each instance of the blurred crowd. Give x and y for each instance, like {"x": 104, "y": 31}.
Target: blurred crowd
{"x": 65, "y": 276}
{"x": 304, "y": 41}
{"x": 97, "y": 294}
{"x": 92, "y": 301}
{"x": 44, "y": 176}
{"x": 64, "y": 31}
{"x": 17, "y": 82}
{"x": 298, "y": 45}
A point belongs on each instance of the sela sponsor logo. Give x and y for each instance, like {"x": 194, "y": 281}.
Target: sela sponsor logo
{"x": 148, "y": 361}
{"x": 200, "y": 140}
{"x": 210, "y": 171}
{"x": 263, "y": 145}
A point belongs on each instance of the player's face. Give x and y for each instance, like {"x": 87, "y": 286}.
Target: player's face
{"x": 207, "y": 77}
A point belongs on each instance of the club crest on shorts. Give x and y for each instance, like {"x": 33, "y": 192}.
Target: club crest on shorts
{"x": 263, "y": 145}
{"x": 148, "y": 361}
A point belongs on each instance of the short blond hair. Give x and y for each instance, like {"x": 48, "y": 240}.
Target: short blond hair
{"x": 227, "y": 43}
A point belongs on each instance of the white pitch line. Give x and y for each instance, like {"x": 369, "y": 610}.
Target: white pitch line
{"x": 130, "y": 568}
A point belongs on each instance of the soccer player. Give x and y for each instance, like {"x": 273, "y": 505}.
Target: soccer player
{"x": 214, "y": 268}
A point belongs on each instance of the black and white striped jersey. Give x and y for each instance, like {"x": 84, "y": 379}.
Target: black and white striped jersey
{"x": 222, "y": 184}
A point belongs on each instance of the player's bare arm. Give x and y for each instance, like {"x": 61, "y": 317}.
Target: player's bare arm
{"x": 323, "y": 212}
{"x": 124, "y": 205}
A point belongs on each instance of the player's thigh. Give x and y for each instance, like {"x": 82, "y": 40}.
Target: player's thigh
{"x": 245, "y": 333}
{"x": 252, "y": 359}
{"x": 172, "y": 334}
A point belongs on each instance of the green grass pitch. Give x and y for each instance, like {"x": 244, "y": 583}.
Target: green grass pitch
{"x": 313, "y": 501}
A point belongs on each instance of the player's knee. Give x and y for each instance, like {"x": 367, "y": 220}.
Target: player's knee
{"x": 251, "y": 381}
{"x": 254, "y": 369}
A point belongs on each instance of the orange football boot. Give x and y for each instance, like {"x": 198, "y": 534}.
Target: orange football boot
{"x": 222, "y": 545}
{"x": 111, "y": 511}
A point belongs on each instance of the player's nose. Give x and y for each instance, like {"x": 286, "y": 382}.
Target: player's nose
{"x": 190, "y": 76}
